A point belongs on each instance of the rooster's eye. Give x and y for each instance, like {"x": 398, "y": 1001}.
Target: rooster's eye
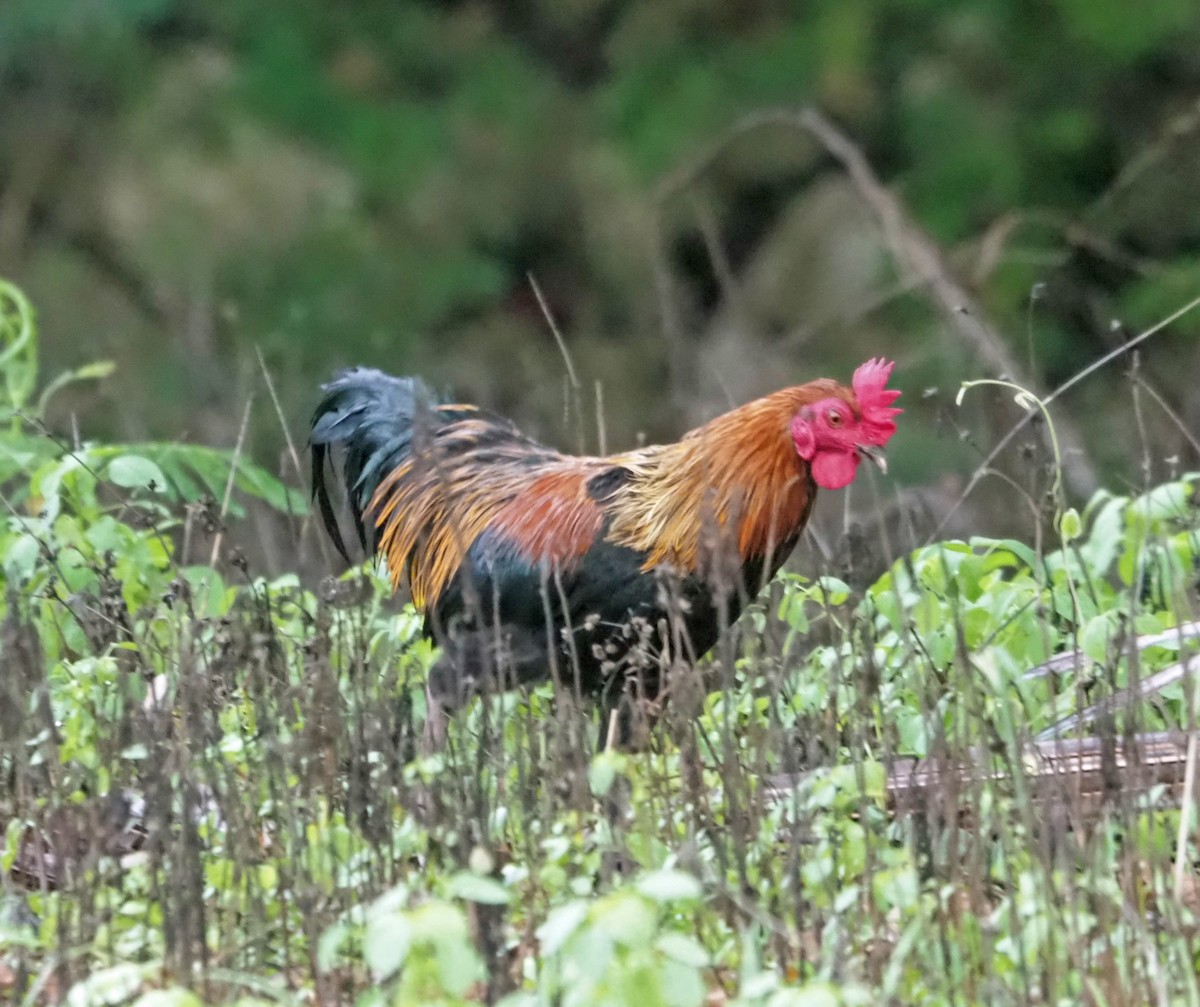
{"x": 835, "y": 418}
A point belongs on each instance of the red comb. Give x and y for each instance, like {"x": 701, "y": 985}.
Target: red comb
{"x": 875, "y": 400}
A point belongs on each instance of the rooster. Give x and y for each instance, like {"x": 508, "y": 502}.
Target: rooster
{"x": 598, "y": 572}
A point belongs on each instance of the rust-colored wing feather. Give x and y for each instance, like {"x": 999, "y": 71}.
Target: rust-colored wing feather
{"x": 476, "y": 474}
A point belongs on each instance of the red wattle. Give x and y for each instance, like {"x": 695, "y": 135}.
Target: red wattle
{"x": 834, "y": 469}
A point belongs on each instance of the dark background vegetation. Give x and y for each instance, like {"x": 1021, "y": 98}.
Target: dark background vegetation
{"x": 184, "y": 181}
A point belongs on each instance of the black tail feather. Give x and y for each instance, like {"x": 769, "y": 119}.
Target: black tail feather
{"x": 372, "y": 416}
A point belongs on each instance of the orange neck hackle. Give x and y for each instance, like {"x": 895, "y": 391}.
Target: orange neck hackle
{"x": 735, "y": 482}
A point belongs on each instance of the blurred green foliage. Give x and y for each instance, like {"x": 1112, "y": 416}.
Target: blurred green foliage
{"x": 374, "y": 181}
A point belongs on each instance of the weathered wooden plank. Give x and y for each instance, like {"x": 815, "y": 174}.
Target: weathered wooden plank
{"x": 1081, "y": 775}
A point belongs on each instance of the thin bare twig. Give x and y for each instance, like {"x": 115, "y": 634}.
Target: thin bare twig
{"x": 1171, "y": 414}
{"x": 601, "y": 429}
{"x": 915, "y": 252}
{"x": 912, "y": 247}
{"x": 558, "y": 338}
{"x": 574, "y": 399}
{"x": 1062, "y": 389}
{"x": 1185, "y": 816}
{"x": 292, "y": 453}
{"x": 233, "y": 467}
{"x": 679, "y": 363}
{"x": 1176, "y": 129}
{"x": 722, "y": 267}
{"x": 287, "y": 434}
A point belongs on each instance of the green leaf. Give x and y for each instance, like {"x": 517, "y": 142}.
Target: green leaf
{"x": 191, "y": 470}
{"x": 260, "y": 483}
{"x": 438, "y": 921}
{"x": 626, "y": 918}
{"x": 458, "y": 964}
{"x": 1094, "y": 640}
{"x": 1070, "y": 526}
{"x": 21, "y": 558}
{"x": 669, "y": 885}
{"x": 170, "y": 997}
{"x": 683, "y": 949}
{"x": 386, "y": 944}
{"x": 832, "y": 589}
{"x": 329, "y": 945}
{"x": 1018, "y": 549}
{"x": 1170, "y": 500}
{"x": 135, "y": 472}
{"x": 812, "y": 995}
{"x": 478, "y": 888}
{"x": 682, "y": 985}
{"x": 914, "y": 736}
{"x": 49, "y": 480}
{"x": 519, "y": 1000}
{"x": 560, "y": 925}
{"x": 604, "y": 770}
{"x": 95, "y": 370}
{"x": 112, "y": 985}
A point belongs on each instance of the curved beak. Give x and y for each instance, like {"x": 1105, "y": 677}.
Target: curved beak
{"x": 873, "y": 454}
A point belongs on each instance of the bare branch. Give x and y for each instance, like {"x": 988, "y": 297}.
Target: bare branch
{"x": 233, "y": 467}
{"x": 558, "y": 338}
{"x": 912, "y": 247}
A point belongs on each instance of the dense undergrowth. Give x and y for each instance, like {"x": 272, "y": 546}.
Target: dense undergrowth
{"x": 212, "y": 788}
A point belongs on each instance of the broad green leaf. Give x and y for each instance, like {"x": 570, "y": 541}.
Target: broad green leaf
{"x": 681, "y": 983}
{"x": 105, "y": 987}
{"x": 669, "y": 885}
{"x": 21, "y": 557}
{"x": 560, "y": 925}
{"x": 437, "y": 921}
{"x": 1018, "y": 549}
{"x": 478, "y": 888}
{"x": 603, "y": 771}
{"x": 386, "y": 944}
{"x": 458, "y": 964}
{"x": 1096, "y": 636}
{"x": 683, "y": 949}
{"x": 832, "y": 590}
{"x": 329, "y": 946}
{"x": 136, "y": 472}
